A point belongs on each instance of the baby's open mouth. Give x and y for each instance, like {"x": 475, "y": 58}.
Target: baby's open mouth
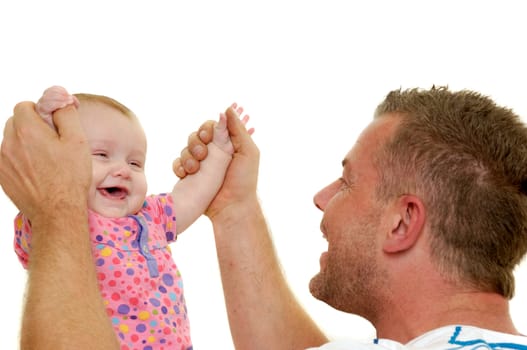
{"x": 114, "y": 192}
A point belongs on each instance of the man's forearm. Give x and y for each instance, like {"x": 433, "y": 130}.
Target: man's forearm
{"x": 64, "y": 309}
{"x": 263, "y": 313}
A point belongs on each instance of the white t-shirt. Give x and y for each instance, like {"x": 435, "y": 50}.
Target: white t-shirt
{"x": 444, "y": 338}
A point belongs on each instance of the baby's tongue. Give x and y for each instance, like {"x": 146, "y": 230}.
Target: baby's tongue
{"x": 115, "y": 192}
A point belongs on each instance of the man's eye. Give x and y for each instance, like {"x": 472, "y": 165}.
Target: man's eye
{"x": 99, "y": 154}
{"x": 344, "y": 185}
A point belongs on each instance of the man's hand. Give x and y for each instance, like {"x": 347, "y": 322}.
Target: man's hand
{"x": 54, "y": 98}
{"x": 242, "y": 174}
{"x": 188, "y": 162}
{"x": 42, "y": 169}
{"x": 196, "y": 151}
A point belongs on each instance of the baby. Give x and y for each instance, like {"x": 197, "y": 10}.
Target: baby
{"x": 138, "y": 279}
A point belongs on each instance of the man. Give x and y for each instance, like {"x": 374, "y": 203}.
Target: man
{"x": 424, "y": 228}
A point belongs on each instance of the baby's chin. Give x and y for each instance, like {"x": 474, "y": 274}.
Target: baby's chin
{"x": 110, "y": 213}
{"x": 113, "y": 212}
{"x": 115, "y": 208}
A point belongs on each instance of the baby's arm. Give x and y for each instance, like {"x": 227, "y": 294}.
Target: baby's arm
{"x": 193, "y": 194}
{"x": 54, "y": 98}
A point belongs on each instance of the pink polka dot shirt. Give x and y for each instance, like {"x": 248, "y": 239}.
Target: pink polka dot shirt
{"x": 139, "y": 281}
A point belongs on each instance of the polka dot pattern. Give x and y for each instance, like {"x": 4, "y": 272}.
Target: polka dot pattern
{"x": 146, "y": 312}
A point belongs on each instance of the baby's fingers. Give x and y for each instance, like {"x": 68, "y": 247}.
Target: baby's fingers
{"x": 245, "y": 119}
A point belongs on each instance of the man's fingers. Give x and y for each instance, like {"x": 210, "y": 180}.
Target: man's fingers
{"x": 8, "y": 127}
{"x": 25, "y": 110}
{"x": 178, "y": 168}
{"x": 68, "y": 123}
{"x": 206, "y": 131}
{"x": 28, "y": 124}
{"x": 189, "y": 162}
{"x": 24, "y": 117}
{"x": 185, "y": 164}
{"x": 196, "y": 150}
{"x": 196, "y": 147}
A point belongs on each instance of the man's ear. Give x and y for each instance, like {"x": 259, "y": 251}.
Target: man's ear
{"x": 407, "y": 224}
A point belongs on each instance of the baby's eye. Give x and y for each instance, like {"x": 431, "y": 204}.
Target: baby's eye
{"x": 135, "y": 164}
{"x": 100, "y": 154}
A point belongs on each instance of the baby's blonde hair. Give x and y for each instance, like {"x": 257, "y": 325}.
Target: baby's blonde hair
{"x": 108, "y": 101}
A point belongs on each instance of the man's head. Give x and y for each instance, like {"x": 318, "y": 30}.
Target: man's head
{"x": 118, "y": 147}
{"x": 457, "y": 163}
{"x": 466, "y": 158}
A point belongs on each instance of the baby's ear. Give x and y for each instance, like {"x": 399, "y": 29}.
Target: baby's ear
{"x": 406, "y": 226}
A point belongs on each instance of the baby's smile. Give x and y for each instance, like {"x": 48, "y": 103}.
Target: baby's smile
{"x": 113, "y": 192}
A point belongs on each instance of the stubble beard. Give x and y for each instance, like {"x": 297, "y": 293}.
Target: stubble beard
{"x": 352, "y": 281}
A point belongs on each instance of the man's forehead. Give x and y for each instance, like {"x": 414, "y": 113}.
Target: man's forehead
{"x": 371, "y": 138}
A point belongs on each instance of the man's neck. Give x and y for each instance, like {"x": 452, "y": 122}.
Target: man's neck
{"x": 415, "y": 316}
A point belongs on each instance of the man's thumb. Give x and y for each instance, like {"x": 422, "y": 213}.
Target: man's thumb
{"x": 67, "y": 122}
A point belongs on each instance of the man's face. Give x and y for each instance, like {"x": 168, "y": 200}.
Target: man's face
{"x": 350, "y": 275}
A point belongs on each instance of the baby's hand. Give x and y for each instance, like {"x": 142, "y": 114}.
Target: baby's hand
{"x": 54, "y": 98}
{"x": 221, "y": 136}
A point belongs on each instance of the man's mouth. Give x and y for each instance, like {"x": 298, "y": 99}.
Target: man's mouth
{"x": 114, "y": 192}
{"x": 323, "y": 230}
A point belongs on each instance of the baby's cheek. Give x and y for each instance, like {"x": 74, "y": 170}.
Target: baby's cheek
{"x": 143, "y": 185}
{"x": 140, "y": 191}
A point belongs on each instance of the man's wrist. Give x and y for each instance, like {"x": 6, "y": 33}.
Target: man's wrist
{"x": 236, "y": 213}
{"x": 69, "y": 215}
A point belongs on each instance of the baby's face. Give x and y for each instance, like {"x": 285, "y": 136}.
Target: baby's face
{"x": 118, "y": 148}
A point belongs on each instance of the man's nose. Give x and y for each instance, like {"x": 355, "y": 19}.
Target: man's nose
{"x": 323, "y": 196}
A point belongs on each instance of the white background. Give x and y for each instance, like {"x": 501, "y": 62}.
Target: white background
{"x": 309, "y": 73}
